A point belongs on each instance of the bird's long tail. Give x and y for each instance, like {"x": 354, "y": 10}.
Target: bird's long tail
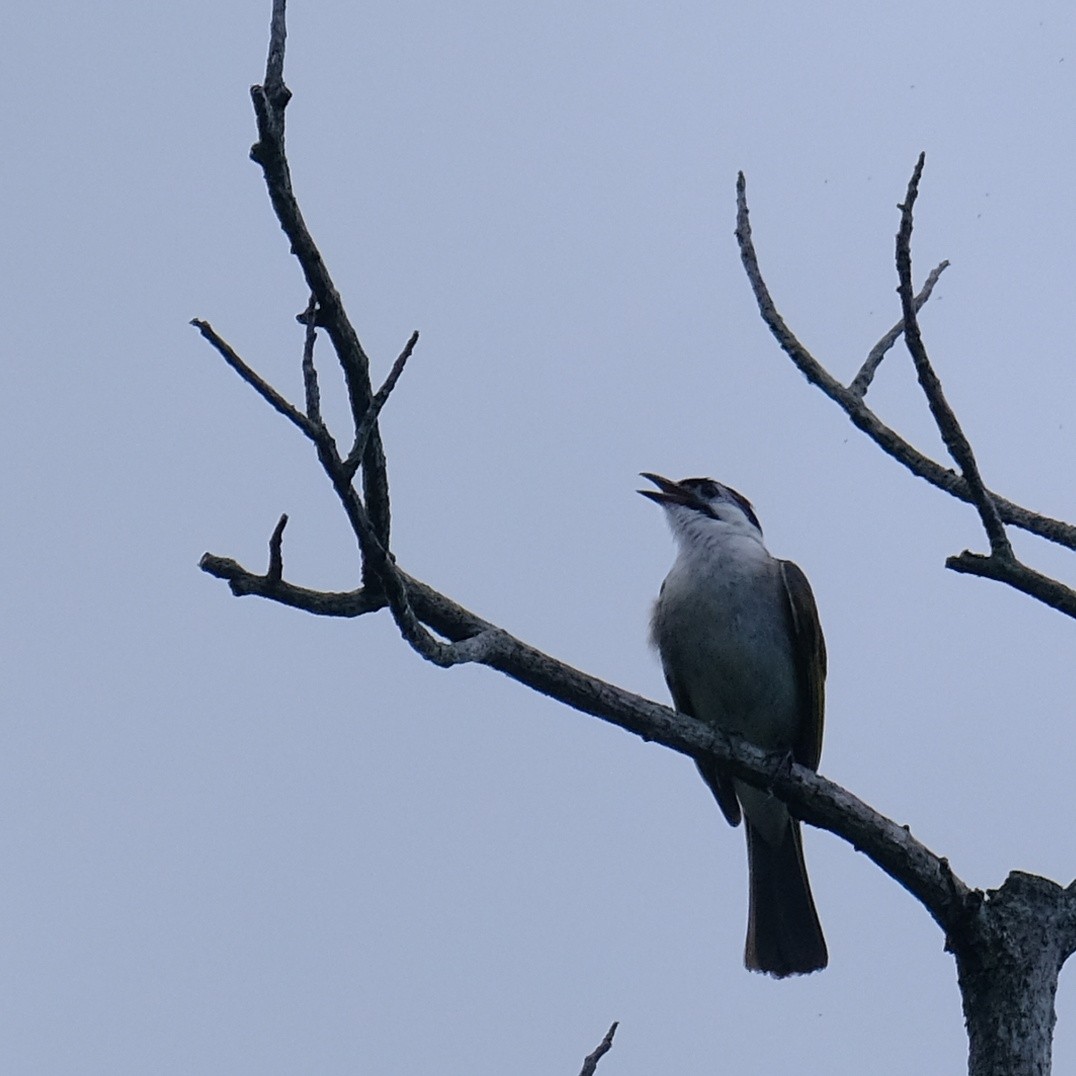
{"x": 784, "y": 936}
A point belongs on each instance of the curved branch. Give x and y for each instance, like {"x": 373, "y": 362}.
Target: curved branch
{"x": 813, "y": 798}
{"x": 887, "y": 439}
{"x": 994, "y": 511}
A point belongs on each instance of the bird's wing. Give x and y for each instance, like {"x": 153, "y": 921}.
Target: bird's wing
{"x": 809, "y": 648}
{"x": 720, "y": 784}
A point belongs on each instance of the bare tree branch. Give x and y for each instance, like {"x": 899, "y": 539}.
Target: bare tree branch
{"x": 1002, "y": 564}
{"x": 258, "y": 383}
{"x": 813, "y": 798}
{"x": 276, "y": 551}
{"x": 310, "y": 373}
{"x": 344, "y": 604}
{"x": 369, "y": 420}
{"x": 484, "y": 644}
{"x": 590, "y": 1065}
{"x": 1018, "y": 576}
{"x": 944, "y": 417}
{"x": 944, "y": 478}
{"x": 274, "y": 63}
{"x": 861, "y": 382}
{"x": 270, "y": 102}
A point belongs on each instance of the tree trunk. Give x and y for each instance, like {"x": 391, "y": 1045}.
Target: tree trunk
{"x": 1009, "y": 953}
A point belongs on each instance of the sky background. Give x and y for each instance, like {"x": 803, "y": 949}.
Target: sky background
{"x": 239, "y": 839}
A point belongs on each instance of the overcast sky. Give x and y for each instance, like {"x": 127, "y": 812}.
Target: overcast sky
{"x": 239, "y": 839}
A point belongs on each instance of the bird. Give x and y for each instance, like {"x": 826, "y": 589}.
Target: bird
{"x": 742, "y": 649}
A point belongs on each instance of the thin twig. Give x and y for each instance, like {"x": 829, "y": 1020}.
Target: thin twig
{"x": 861, "y": 416}
{"x": 944, "y": 417}
{"x": 258, "y": 383}
{"x": 310, "y": 373}
{"x": 861, "y": 382}
{"x": 590, "y": 1065}
{"x": 274, "y": 64}
{"x": 369, "y": 420}
{"x": 276, "y": 551}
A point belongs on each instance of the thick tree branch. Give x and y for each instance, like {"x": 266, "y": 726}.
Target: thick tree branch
{"x": 815, "y": 799}
{"x": 1009, "y": 953}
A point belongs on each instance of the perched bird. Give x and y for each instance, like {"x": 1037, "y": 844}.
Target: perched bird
{"x": 742, "y": 649}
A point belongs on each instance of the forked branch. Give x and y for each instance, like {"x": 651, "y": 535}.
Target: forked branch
{"x": 994, "y": 511}
{"x": 270, "y": 101}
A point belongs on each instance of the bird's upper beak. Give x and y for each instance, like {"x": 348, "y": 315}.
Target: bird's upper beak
{"x": 668, "y": 491}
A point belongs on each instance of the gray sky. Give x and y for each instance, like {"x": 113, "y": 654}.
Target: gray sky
{"x": 239, "y": 839}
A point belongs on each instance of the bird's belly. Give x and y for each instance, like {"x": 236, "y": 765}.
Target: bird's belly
{"x": 728, "y": 648}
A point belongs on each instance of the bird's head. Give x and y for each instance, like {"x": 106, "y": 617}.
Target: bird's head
{"x": 701, "y": 506}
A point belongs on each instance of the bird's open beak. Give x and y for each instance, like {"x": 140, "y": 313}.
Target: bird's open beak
{"x": 668, "y": 492}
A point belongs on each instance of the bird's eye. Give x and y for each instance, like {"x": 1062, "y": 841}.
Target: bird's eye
{"x": 705, "y": 488}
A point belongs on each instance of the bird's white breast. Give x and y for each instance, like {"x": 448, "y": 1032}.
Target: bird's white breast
{"x": 721, "y": 626}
